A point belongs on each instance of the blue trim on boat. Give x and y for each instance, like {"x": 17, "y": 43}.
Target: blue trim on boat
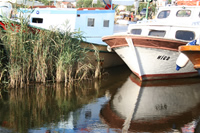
{"x": 54, "y": 11}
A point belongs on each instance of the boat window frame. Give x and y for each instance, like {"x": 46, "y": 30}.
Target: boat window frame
{"x": 92, "y": 20}
{"x": 165, "y": 15}
{"x": 137, "y": 31}
{"x": 106, "y": 23}
{"x": 36, "y": 19}
{"x": 157, "y": 31}
{"x": 185, "y": 35}
{"x": 184, "y": 15}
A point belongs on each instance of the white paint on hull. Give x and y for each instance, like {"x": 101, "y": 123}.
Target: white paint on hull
{"x": 152, "y": 61}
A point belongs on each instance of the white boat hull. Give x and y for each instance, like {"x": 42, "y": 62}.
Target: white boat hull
{"x": 151, "y": 63}
{"x": 150, "y": 58}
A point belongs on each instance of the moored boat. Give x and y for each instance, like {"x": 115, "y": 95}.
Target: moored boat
{"x": 150, "y": 47}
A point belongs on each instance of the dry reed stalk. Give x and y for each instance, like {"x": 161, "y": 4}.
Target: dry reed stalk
{"x": 98, "y": 66}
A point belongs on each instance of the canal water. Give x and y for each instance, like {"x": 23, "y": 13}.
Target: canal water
{"x": 117, "y": 103}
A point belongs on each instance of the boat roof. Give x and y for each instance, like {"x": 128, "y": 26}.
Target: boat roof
{"x": 172, "y": 7}
{"x": 175, "y": 15}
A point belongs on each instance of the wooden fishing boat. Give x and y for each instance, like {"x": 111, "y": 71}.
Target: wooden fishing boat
{"x": 150, "y": 47}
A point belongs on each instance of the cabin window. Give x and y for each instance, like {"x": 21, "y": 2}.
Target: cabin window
{"x": 91, "y": 22}
{"x": 37, "y": 20}
{"x": 136, "y": 31}
{"x": 183, "y": 13}
{"x": 163, "y": 14}
{"x": 185, "y": 35}
{"x": 106, "y": 23}
{"x": 159, "y": 33}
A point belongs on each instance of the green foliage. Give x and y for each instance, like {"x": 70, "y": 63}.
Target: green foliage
{"x": 88, "y": 3}
{"x": 141, "y": 6}
{"x": 46, "y": 2}
{"x": 153, "y": 8}
{"x": 129, "y": 8}
{"x": 144, "y": 5}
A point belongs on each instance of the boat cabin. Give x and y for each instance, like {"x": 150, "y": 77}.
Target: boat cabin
{"x": 174, "y": 22}
{"x": 93, "y": 23}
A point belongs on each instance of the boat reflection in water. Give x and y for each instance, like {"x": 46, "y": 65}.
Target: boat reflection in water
{"x": 164, "y": 105}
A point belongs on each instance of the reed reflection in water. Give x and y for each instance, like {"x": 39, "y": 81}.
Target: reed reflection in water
{"x": 56, "y": 108}
{"x": 154, "y": 106}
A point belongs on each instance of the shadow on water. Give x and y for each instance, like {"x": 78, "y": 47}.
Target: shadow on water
{"x": 117, "y": 103}
{"x": 154, "y": 106}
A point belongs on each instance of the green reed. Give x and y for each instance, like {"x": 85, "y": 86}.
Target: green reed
{"x": 42, "y": 55}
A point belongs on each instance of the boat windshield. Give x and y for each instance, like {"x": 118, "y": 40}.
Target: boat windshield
{"x": 158, "y": 33}
{"x": 185, "y": 35}
{"x": 163, "y": 14}
{"x": 183, "y": 13}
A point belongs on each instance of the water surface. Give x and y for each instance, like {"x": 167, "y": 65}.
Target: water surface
{"x": 119, "y": 102}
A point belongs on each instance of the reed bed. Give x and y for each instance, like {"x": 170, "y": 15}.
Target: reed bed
{"x": 41, "y": 55}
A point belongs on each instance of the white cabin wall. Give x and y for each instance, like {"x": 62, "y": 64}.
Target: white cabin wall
{"x": 94, "y": 34}
{"x": 78, "y": 20}
{"x": 59, "y": 19}
{"x": 180, "y": 20}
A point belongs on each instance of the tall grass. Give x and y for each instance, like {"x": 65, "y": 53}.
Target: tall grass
{"x": 3, "y": 60}
{"x": 42, "y": 55}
